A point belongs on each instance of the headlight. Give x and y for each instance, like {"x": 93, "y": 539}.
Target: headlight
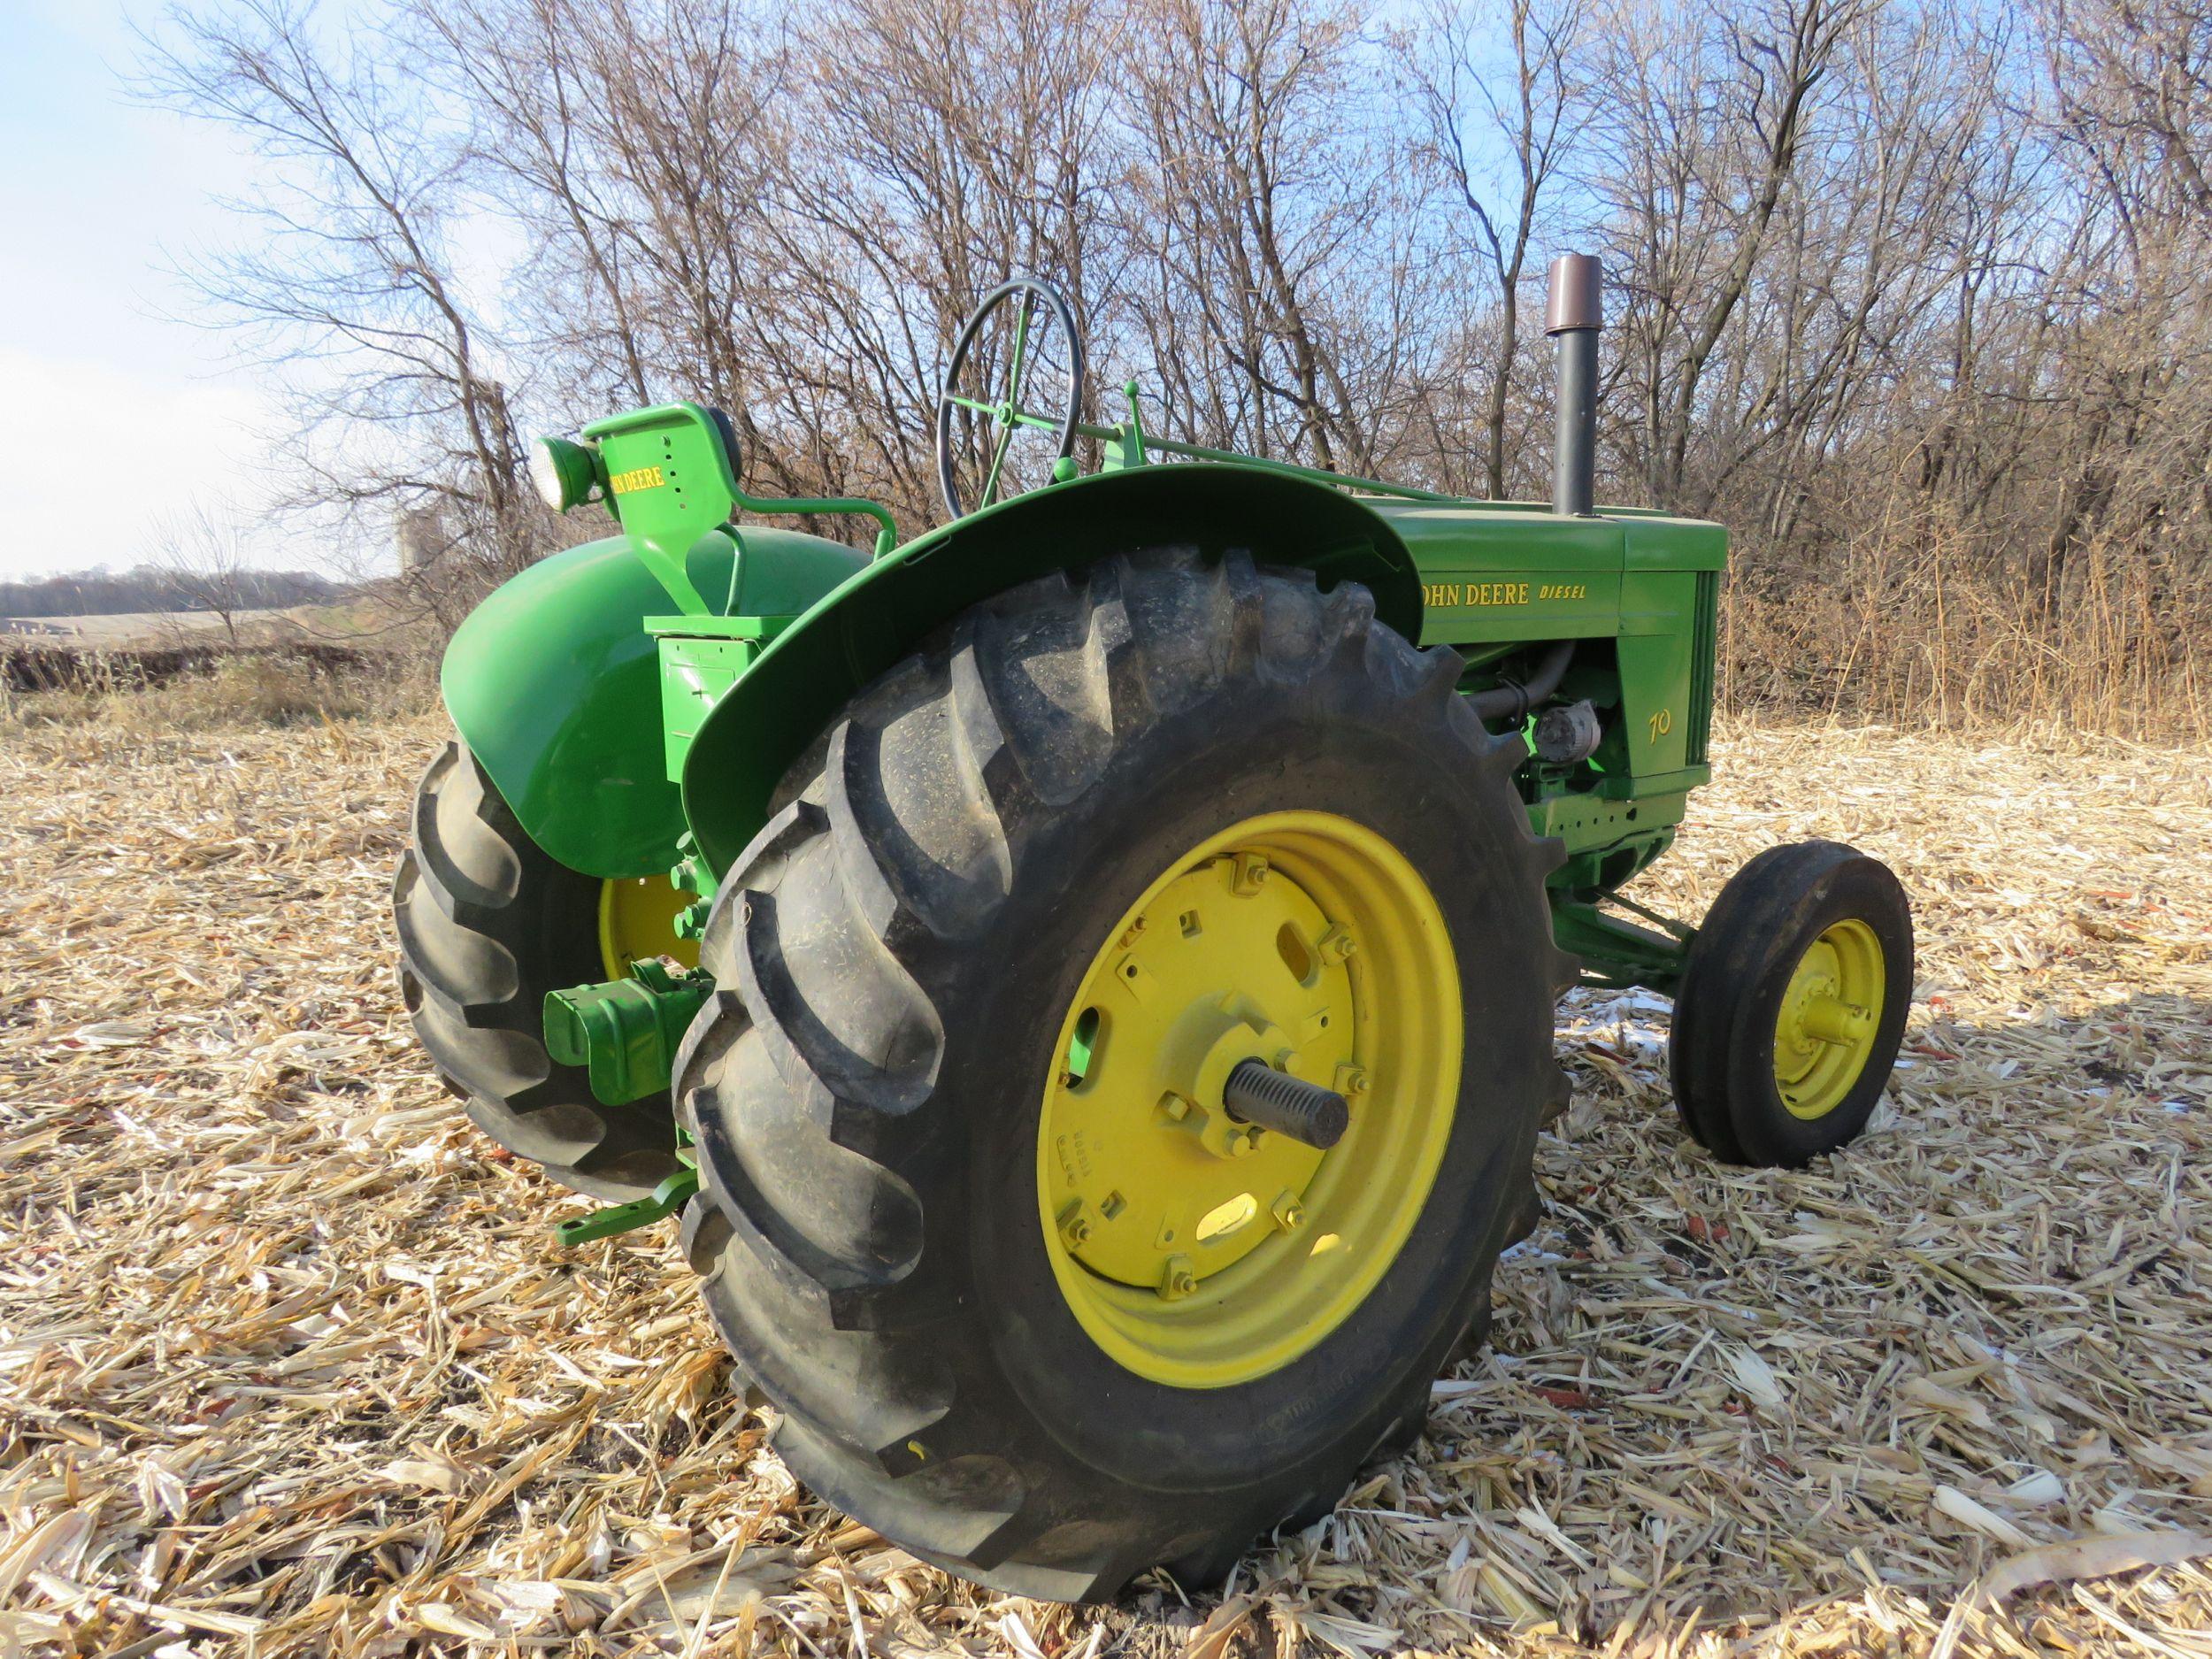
{"x": 562, "y": 473}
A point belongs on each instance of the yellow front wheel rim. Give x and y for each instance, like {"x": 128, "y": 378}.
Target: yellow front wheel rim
{"x": 637, "y": 922}
{"x": 1194, "y": 1250}
{"x": 1831, "y": 1013}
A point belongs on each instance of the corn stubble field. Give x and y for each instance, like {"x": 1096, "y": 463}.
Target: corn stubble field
{"x": 290, "y": 1362}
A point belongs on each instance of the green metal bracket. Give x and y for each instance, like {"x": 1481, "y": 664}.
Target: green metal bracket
{"x": 669, "y": 1196}
{"x": 1126, "y": 448}
{"x": 669, "y": 481}
{"x": 760, "y": 630}
{"x": 671, "y": 478}
{"x": 701, "y": 658}
{"x": 624, "y": 1032}
{"x": 689, "y": 874}
{"x": 1618, "y": 955}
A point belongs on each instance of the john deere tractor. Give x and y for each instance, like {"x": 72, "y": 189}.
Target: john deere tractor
{"x": 1084, "y": 975}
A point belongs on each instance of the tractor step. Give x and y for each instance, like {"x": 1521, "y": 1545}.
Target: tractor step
{"x": 669, "y": 1196}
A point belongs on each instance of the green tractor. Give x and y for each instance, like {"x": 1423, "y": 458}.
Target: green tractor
{"x": 1086, "y": 976}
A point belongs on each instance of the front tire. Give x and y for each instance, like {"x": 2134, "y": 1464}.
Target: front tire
{"x": 1792, "y": 1005}
{"x": 904, "y": 957}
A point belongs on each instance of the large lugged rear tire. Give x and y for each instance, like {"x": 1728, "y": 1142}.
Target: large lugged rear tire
{"x": 488, "y": 923}
{"x": 883, "y": 1090}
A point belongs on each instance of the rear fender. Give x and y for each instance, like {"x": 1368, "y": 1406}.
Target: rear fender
{"x": 785, "y": 700}
{"x": 555, "y": 685}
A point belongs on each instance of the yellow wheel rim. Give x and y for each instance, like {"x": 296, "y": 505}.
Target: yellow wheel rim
{"x": 1198, "y": 1251}
{"x": 1830, "y": 1015}
{"x": 637, "y": 922}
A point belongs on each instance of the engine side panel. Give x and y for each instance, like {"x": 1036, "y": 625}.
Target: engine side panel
{"x": 1491, "y": 575}
{"x": 1638, "y": 591}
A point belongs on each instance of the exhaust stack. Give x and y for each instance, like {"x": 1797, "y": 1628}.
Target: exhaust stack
{"x": 1573, "y": 316}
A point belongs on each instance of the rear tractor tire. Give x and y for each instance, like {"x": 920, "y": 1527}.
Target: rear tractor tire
{"x": 1792, "y": 1005}
{"x": 975, "y": 1216}
{"x": 488, "y": 923}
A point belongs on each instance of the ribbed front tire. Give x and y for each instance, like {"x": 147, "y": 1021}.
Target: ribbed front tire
{"x": 1776, "y": 924}
{"x": 896, "y": 954}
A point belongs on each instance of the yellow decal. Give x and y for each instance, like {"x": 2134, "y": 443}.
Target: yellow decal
{"x": 1470, "y": 593}
{"x": 637, "y": 478}
{"x": 1662, "y": 723}
{"x": 1475, "y": 593}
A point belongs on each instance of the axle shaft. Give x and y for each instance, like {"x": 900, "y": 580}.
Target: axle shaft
{"x": 1313, "y": 1116}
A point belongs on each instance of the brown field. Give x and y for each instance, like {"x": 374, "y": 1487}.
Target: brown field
{"x": 125, "y": 630}
{"x": 290, "y": 1362}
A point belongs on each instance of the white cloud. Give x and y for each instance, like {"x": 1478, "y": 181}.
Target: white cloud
{"x": 96, "y": 456}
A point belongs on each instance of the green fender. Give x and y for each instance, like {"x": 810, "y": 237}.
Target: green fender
{"x": 794, "y": 691}
{"x": 555, "y": 685}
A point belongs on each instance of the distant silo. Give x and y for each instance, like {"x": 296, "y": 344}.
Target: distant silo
{"x": 419, "y": 536}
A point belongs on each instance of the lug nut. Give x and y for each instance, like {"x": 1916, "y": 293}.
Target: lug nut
{"x": 1178, "y": 1279}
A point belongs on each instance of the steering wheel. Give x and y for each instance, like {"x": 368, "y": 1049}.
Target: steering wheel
{"x": 1007, "y": 415}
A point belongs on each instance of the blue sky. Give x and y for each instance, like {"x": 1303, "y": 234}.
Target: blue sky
{"x": 114, "y": 412}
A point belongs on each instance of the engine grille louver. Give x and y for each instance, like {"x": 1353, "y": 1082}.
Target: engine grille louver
{"x": 1703, "y": 640}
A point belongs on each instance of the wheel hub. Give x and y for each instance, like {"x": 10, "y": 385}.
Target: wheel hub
{"x": 1200, "y": 1248}
{"x": 1158, "y": 1185}
{"x": 1830, "y": 1014}
{"x": 637, "y": 923}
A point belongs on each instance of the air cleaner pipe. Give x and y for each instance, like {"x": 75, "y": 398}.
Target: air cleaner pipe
{"x": 1257, "y": 1094}
{"x": 1573, "y": 316}
{"x": 1512, "y": 699}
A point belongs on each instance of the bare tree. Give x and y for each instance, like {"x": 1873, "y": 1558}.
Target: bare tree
{"x": 350, "y": 289}
{"x": 1286, "y": 306}
{"x": 1707, "y": 114}
{"x": 207, "y": 563}
{"x": 1535, "y": 121}
{"x": 1911, "y": 293}
{"x": 973, "y": 145}
{"x": 2131, "y": 86}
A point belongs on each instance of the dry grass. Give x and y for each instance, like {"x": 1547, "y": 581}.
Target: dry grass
{"x": 1915, "y": 630}
{"x": 290, "y": 1362}
{"x": 235, "y": 692}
